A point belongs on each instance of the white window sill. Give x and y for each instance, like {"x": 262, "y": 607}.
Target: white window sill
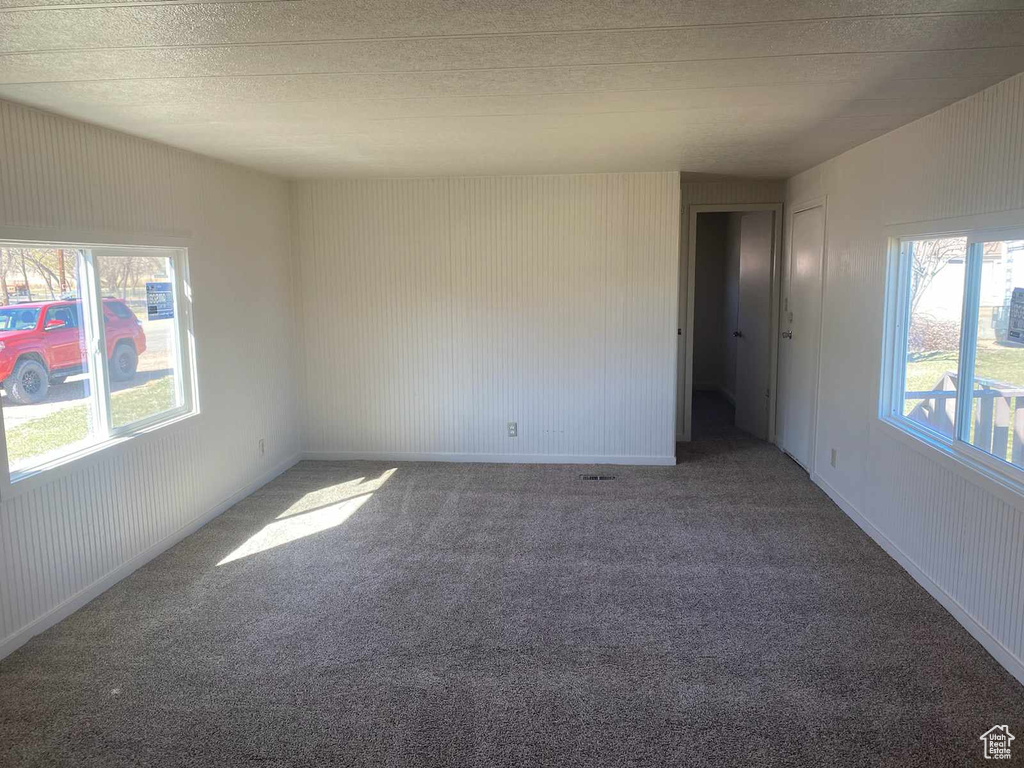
{"x": 979, "y": 473}
{"x": 25, "y": 481}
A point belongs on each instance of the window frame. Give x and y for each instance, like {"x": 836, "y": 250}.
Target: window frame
{"x": 108, "y": 438}
{"x": 973, "y": 462}
{"x": 46, "y": 317}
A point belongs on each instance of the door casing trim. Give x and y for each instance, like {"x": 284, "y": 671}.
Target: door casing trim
{"x": 806, "y": 205}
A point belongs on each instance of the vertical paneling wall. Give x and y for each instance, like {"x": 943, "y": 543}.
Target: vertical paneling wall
{"x": 435, "y": 311}
{"x": 58, "y": 175}
{"x": 965, "y": 159}
{"x": 737, "y": 192}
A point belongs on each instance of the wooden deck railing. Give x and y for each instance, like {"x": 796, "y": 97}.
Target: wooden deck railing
{"x": 998, "y": 414}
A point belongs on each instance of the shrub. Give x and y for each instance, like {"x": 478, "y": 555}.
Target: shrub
{"x": 929, "y": 334}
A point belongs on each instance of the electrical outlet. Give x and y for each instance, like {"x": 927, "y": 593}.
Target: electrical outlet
{"x": 835, "y": 459}
{"x": 263, "y": 446}
{"x": 513, "y": 429}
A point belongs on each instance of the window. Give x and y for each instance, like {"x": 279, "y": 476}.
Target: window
{"x": 18, "y": 319}
{"x": 931, "y": 348}
{"x": 94, "y": 346}
{"x": 957, "y": 327}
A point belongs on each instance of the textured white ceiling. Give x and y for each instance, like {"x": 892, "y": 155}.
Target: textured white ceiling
{"x": 436, "y": 87}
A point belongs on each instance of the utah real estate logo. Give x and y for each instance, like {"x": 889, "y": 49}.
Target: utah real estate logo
{"x": 997, "y": 742}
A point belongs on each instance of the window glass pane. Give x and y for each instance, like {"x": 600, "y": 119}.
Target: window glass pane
{"x": 935, "y": 305}
{"x": 47, "y": 386}
{"x": 140, "y": 322}
{"x": 996, "y": 425}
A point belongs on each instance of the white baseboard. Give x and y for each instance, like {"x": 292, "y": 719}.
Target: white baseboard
{"x": 76, "y": 601}
{"x": 1000, "y": 652}
{"x": 489, "y": 458}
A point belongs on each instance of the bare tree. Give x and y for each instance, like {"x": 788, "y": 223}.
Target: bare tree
{"x": 6, "y": 257}
{"x": 930, "y": 258}
{"x": 38, "y": 258}
{"x": 120, "y": 274}
{"x": 24, "y": 273}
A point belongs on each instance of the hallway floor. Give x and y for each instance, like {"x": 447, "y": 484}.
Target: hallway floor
{"x": 714, "y": 417}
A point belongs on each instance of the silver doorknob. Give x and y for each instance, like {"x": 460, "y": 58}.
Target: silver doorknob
{"x": 737, "y": 334}
{"x": 787, "y": 334}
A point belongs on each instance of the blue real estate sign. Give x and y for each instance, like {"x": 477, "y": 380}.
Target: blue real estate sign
{"x": 159, "y": 301}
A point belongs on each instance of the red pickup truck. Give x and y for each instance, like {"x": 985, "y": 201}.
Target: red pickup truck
{"x": 41, "y": 344}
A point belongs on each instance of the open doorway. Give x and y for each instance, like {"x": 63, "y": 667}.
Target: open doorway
{"x": 730, "y": 351}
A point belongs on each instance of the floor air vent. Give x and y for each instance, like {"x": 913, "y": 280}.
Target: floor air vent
{"x": 597, "y": 477}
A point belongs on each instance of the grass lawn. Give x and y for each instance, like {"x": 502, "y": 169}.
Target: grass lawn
{"x": 70, "y": 425}
{"x": 998, "y": 363}
{"x": 136, "y": 403}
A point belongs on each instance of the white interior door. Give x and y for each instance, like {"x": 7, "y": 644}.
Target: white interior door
{"x": 753, "y": 323}
{"x": 800, "y": 326}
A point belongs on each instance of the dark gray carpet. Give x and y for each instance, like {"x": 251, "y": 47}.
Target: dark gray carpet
{"x": 714, "y": 417}
{"x": 719, "y": 613}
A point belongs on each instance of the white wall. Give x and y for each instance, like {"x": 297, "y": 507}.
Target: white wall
{"x": 964, "y": 543}
{"x": 436, "y": 311}
{"x": 65, "y": 540}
